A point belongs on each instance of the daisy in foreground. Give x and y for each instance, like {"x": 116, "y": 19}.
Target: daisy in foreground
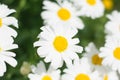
{"x": 5, "y": 21}
{"x": 80, "y": 70}
{"x": 40, "y": 73}
{"x": 92, "y": 54}
{"x": 112, "y": 27}
{"x": 6, "y": 44}
{"x": 90, "y": 8}
{"x": 58, "y": 45}
{"x": 111, "y": 53}
{"x": 63, "y": 14}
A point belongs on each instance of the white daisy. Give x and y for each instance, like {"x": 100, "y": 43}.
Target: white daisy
{"x": 40, "y": 73}
{"x": 90, "y": 8}
{"x": 58, "y": 45}
{"x": 63, "y": 14}
{"x": 95, "y": 62}
{"x": 80, "y": 71}
{"x": 92, "y": 53}
{"x": 111, "y": 53}
{"x": 6, "y": 55}
{"x": 112, "y": 27}
{"x": 6, "y": 20}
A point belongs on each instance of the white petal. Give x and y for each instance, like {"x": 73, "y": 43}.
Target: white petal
{"x": 5, "y": 11}
{"x": 67, "y": 61}
{"x": 2, "y": 68}
{"x": 50, "y": 5}
{"x": 78, "y": 49}
{"x": 7, "y": 31}
{"x": 55, "y": 74}
{"x": 10, "y": 21}
{"x": 34, "y": 77}
{"x": 41, "y": 67}
{"x": 57, "y": 62}
{"x": 10, "y": 60}
{"x": 10, "y": 47}
{"x": 8, "y": 54}
{"x": 75, "y": 41}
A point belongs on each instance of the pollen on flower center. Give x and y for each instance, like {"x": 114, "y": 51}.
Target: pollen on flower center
{"x": 64, "y": 14}
{"x": 105, "y": 77}
{"x": 116, "y": 53}
{"x": 60, "y": 43}
{"x": 91, "y": 2}
{"x": 0, "y": 22}
{"x": 96, "y": 60}
{"x": 46, "y": 77}
{"x": 82, "y": 77}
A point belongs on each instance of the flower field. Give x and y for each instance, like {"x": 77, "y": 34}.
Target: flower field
{"x": 59, "y": 39}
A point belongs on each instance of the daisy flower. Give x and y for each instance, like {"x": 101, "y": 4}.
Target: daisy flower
{"x": 6, "y": 55}
{"x": 6, "y": 20}
{"x": 112, "y": 27}
{"x": 95, "y": 62}
{"x": 60, "y": 45}
{"x": 92, "y": 54}
{"x": 90, "y": 8}
{"x": 40, "y": 73}
{"x": 111, "y": 53}
{"x": 62, "y": 14}
{"x": 80, "y": 70}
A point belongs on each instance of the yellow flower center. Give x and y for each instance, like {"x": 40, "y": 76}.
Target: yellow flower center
{"x": 46, "y": 77}
{"x": 60, "y": 43}
{"x": 105, "y": 77}
{"x": 108, "y": 4}
{"x": 96, "y": 60}
{"x": 116, "y": 53}
{"x": 64, "y": 14}
{"x": 0, "y": 22}
{"x": 91, "y": 2}
{"x": 0, "y": 49}
{"x": 82, "y": 77}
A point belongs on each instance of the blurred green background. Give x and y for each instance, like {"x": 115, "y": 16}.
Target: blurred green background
{"x": 28, "y": 15}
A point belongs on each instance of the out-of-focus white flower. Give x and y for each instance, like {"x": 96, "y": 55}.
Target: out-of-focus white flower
{"x": 90, "y": 8}
{"x": 92, "y": 54}
{"x": 111, "y": 53}
{"x": 40, "y": 73}
{"x": 6, "y": 20}
{"x": 109, "y": 75}
{"x": 80, "y": 70}
{"x": 58, "y": 45}
{"x": 112, "y": 27}
{"x": 63, "y": 14}
{"x": 6, "y": 38}
{"x": 6, "y": 55}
